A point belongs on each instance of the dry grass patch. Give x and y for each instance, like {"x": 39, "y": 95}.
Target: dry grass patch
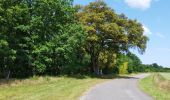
{"x": 161, "y": 82}
{"x": 156, "y": 86}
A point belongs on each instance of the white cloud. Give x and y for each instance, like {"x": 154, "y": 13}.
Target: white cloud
{"x": 141, "y": 4}
{"x": 147, "y": 31}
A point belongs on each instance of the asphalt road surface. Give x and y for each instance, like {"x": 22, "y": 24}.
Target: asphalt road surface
{"x": 118, "y": 89}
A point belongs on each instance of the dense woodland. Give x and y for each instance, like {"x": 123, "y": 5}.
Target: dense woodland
{"x": 54, "y": 37}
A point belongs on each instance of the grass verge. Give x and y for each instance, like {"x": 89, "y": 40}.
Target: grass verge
{"x": 47, "y": 88}
{"x": 156, "y": 86}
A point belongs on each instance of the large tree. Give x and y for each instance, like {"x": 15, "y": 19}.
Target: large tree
{"x": 109, "y": 32}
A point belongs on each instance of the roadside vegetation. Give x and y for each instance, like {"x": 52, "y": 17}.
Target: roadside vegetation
{"x": 166, "y": 75}
{"x": 157, "y": 85}
{"x": 42, "y": 37}
{"x": 56, "y": 38}
{"x": 43, "y": 88}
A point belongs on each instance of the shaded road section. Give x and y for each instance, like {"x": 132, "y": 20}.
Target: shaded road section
{"x": 118, "y": 89}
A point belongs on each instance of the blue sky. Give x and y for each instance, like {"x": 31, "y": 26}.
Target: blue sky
{"x": 155, "y": 17}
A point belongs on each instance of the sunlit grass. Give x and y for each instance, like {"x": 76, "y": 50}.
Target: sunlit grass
{"x": 149, "y": 86}
{"x": 166, "y": 75}
{"x": 47, "y": 88}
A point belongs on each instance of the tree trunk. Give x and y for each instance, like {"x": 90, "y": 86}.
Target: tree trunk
{"x": 95, "y": 65}
{"x": 7, "y": 69}
{"x": 96, "y": 70}
{"x": 94, "y": 59}
{"x": 101, "y": 72}
{"x": 8, "y": 74}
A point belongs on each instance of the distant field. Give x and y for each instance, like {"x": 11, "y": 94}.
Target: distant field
{"x": 166, "y": 75}
{"x": 47, "y": 88}
{"x": 157, "y": 85}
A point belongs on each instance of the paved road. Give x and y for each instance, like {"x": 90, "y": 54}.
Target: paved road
{"x": 118, "y": 89}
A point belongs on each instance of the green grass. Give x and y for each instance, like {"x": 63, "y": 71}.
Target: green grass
{"x": 149, "y": 86}
{"x": 47, "y": 88}
{"x": 166, "y": 75}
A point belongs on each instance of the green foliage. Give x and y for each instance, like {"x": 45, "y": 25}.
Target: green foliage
{"x": 123, "y": 68}
{"x": 53, "y": 37}
{"x": 155, "y": 68}
{"x": 122, "y": 64}
{"x": 135, "y": 65}
{"x": 108, "y": 32}
{"x": 38, "y": 36}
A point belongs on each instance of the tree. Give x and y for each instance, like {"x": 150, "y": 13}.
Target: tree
{"x": 108, "y": 31}
{"x": 122, "y": 64}
{"x": 123, "y": 68}
{"x": 135, "y": 64}
{"x": 38, "y": 36}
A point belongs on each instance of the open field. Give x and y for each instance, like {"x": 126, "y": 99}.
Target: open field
{"x": 166, "y": 75}
{"x": 47, "y": 88}
{"x": 157, "y": 86}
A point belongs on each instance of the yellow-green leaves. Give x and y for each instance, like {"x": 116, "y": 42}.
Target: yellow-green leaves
{"x": 108, "y": 31}
{"x": 123, "y": 68}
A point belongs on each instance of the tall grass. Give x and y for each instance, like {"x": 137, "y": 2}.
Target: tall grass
{"x": 157, "y": 86}
{"x": 46, "y": 88}
{"x": 161, "y": 82}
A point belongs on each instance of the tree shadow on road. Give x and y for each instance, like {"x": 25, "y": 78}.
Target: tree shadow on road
{"x": 110, "y": 76}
